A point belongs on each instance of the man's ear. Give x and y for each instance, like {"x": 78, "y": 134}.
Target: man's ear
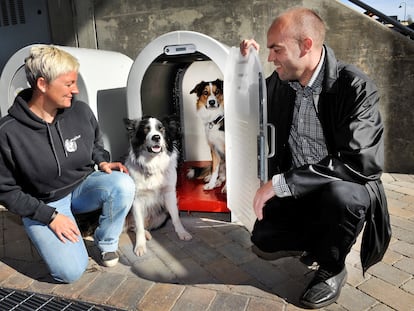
{"x": 307, "y": 45}
{"x": 41, "y": 84}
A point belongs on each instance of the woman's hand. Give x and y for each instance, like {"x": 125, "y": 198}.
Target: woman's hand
{"x": 246, "y": 44}
{"x": 107, "y": 167}
{"x": 65, "y": 228}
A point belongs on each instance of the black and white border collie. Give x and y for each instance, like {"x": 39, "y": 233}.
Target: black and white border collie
{"x": 152, "y": 163}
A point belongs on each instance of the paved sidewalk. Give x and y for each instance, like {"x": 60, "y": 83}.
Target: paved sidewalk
{"x": 216, "y": 270}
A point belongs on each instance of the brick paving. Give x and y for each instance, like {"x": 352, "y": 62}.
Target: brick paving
{"x": 216, "y": 270}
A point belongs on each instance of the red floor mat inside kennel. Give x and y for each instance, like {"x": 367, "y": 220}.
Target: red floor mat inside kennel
{"x": 192, "y": 196}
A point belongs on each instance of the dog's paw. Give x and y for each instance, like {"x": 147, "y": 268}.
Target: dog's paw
{"x": 190, "y": 173}
{"x": 207, "y": 178}
{"x": 140, "y": 250}
{"x": 184, "y": 235}
{"x": 209, "y": 186}
{"x": 148, "y": 235}
{"x": 218, "y": 183}
{"x": 141, "y": 243}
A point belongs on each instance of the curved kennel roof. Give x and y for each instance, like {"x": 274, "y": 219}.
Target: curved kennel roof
{"x": 171, "y": 46}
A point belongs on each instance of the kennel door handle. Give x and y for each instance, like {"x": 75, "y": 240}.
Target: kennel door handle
{"x": 272, "y": 141}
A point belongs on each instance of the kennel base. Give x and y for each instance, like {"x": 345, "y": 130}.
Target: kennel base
{"x": 192, "y": 196}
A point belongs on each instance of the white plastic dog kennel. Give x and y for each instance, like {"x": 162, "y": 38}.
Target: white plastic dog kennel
{"x": 159, "y": 84}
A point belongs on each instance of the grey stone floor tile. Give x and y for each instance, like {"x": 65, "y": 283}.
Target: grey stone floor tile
{"x": 217, "y": 270}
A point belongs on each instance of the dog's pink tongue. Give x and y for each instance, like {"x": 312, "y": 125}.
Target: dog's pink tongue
{"x": 156, "y": 149}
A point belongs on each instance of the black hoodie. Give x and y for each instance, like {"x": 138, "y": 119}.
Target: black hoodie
{"x": 42, "y": 162}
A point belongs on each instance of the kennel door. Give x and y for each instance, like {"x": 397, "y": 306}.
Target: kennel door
{"x": 246, "y": 133}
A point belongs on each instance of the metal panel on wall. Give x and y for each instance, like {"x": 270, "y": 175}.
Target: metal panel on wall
{"x": 22, "y": 22}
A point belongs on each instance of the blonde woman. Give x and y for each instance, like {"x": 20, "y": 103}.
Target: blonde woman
{"x": 50, "y": 145}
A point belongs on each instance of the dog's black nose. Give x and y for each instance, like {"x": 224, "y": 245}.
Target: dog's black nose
{"x": 212, "y": 102}
{"x": 156, "y": 138}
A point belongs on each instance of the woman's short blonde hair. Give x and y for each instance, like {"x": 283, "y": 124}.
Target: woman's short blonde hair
{"x": 49, "y": 62}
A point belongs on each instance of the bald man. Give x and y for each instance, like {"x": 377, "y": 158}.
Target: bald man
{"x": 329, "y": 155}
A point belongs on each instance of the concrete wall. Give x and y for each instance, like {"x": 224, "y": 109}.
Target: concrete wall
{"x": 127, "y": 26}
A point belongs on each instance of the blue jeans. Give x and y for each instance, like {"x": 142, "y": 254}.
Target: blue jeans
{"x": 114, "y": 193}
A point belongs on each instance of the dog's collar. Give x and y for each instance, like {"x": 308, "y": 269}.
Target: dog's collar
{"x": 215, "y": 122}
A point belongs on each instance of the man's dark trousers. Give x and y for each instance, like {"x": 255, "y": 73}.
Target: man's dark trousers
{"x": 324, "y": 223}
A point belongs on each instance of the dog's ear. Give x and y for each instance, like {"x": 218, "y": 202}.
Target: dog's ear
{"x": 219, "y": 84}
{"x": 146, "y": 117}
{"x": 130, "y": 125}
{"x": 173, "y": 132}
{"x": 198, "y": 89}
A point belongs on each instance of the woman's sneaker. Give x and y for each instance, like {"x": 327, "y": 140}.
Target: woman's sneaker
{"x": 109, "y": 259}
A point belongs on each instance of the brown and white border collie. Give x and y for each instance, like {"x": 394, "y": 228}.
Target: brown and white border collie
{"x": 210, "y": 109}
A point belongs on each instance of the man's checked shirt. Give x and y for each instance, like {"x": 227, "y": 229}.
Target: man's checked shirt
{"x": 306, "y": 139}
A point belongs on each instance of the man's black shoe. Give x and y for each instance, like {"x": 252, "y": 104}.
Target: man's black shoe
{"x": 274, "y": 255}
{"x": 308, "y": 259}
{"x": 324, "y": 289}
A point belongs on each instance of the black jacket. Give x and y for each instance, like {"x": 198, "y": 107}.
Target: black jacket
{"x": 349, "y": 114}
{"x": 41, "y": 162}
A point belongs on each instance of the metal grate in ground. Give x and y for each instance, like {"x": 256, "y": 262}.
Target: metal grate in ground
{"x": 11, "y": 299}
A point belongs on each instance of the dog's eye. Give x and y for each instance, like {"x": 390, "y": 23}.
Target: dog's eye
{"x": 217, "y": 92}
{"x": 161, "y": 128}
{"x": 205, "y": 93}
